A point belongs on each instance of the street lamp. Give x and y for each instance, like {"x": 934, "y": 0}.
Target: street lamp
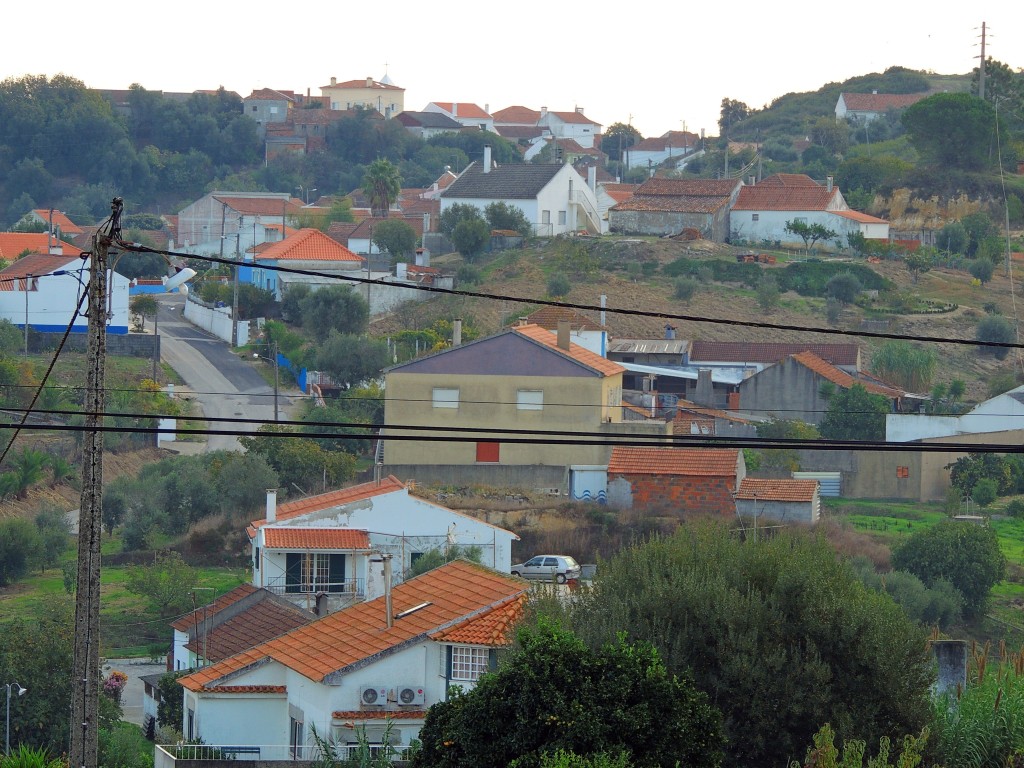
{"x": 277, "y": 380}
{"x": 306, "y": 192}
{"x": 21, "y": 692}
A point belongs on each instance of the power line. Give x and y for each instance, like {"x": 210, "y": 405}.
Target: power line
{"x": 590, "y": 307}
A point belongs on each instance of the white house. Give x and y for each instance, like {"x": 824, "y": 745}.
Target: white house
{"x": 570, "y": 125}
{"x": 228, "y": 223}
{"x": 317, "y": 551}
{"x": 465, "y": 113}
{"x": 866, "y": 107}
{"x": 761, "y": 211}
{"x": 998, "y": 414}
{"x": 44, "y": 289}
{"x": 370, "y": 670}
{"x": 582, "y": 330}
{"x": 654, "y": 151}
{"x": 554, "y": 197}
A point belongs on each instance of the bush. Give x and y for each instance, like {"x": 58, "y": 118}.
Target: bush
{"x": 768, "y": 293}
{"x": 1015, "y": 508}
{"x": 985, "y": 492}
{"x": 685, "y": 288}
{"x": 20, "y": 549}
{"x": 470, "y": 237}
{"x": 981, "y": 269}
{"x": 467, "y": 274}
{"x": 844, "y": 288}
{"x": 558, "y": 286}
{"x": 833, "y": 310}
{"x": 995, "y": 329}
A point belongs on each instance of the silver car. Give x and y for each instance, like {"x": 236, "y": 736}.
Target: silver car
{"x": 559, "y": 568}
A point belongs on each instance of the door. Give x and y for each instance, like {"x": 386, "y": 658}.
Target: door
{"x": 589, "y": 483}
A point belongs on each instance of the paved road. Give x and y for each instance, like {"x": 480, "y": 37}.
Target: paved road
{"x": 131, "y": 696}
{"x": 223, "y": 383}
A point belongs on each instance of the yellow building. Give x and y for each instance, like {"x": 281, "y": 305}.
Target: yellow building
{"x": 381, "y": 95}
{"x": 525, "y": 378}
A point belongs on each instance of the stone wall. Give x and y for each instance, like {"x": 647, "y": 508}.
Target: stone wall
{"x": 708, "y": 495}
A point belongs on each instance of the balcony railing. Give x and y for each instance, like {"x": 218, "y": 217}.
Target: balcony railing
{"x": 167, "y": 755}
{"x": 279, "y": 586}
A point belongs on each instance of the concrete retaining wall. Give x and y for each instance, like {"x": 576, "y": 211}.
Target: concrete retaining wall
{"x": 215, "y": 320}
{"x": 527, "y": 476}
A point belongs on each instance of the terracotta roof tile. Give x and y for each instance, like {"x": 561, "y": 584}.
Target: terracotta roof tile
{"x": 464, "y": 109}
{"x": 337, "y": 498}
{"x": 493, "y": 627}
{"x": 863, "y": 218}
{"x": 785, "y": 198}
{"x": 770, "y": 352}
{"x": 60, "y": 219}
{"x": 686, "y": 407}
{"x": 260, "y": 206}
{"x": 578, "y": 118}
{"x": 777, "y": 489}
{"x": 259, "y": 623}
{"x": 549, "y": 317}
{"x": 248, "y": 689}
{"x": 880, "y": 102}
{"x": 311, "y": 245}
{"x": 517, "y": 115}
{"x": 185, "y": 623}
{"x": 580, "y": 354}
{"x": 840, "y": 377}
{"x": 374, "y": 85}
{"x": 13, "y": 243}
{"x": 451, "y": 593}
{"x": 315, "y": 538}
{"x": 370, "y": 714}
{"x": 620, "y": 193}
{"x": 13, "y": 278}
{"x": 690, "y": 195}
{"x": 702, "y": 462}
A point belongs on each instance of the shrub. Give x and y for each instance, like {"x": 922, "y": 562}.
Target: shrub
{"x": 833, "y": 310}
{"x": 558, "y": 285}
{"x": 981, "y": 269}
{"x": 985, "y": 492}
{"x": 1015, "y": 508}
{"x": 768, "y": 293}
{"x": 467, "y": 274}
{"x": 995, "y": 329}
{"x": 843, "y": 287}
{"x": 685, "y": 288}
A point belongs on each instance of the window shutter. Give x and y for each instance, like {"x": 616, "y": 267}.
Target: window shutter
{"x": 292, "y": 571}
{"x": 336, "y": 573}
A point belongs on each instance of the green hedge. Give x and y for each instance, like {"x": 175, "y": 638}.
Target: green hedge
{"x": 808, "y": 278}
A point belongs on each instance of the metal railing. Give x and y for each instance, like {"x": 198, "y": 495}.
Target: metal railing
{"x": 592, "y": 214}
{"x": 279, "y": 586}
{"x": 172, "y": 754}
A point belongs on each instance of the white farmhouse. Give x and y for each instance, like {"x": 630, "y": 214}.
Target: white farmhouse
{"x": 1001, "y": 413}
{"x": 554, "y": 197}
{"x": 570, "y": 125}
{"x": 317, "y": 551}
{"x": 371, "y": 670}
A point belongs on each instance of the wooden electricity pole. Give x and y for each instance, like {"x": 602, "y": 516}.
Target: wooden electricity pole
{"x": 86, "y": 670}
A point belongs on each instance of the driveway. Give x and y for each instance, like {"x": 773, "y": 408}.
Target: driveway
{"x": 223, "y": 384}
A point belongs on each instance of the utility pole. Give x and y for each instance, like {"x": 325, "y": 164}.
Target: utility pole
{"x": 981, "y": 66}
{"x": 28, "y": 286}
{"x": 234, "y": 292}
{"x": 86, "y": 667}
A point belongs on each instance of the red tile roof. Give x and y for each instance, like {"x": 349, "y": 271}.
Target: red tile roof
{"x": 374, "y": 85}
{"x": 880, "y": 102}
{"x": 260, "y": 206}
{"x": 840, "y": 377}
{"x": 310, "y": 245}
{"x": 452, "y": 594}
{"x": 260, "y": 622}
{"x": 13, "y": 243}
{"x": 549, "y": 317}
{"x": 770, "y": 352}
{"x": 573, "y": 117}
{"x": 689, "y": 195}
{"x": 687, "y": 410}
{"x": 516, "y": 115}
{"x": 185, "y": 623}
{"x": 315, "y": 538}
{"x": 777, "y": 490}
{"x": 465, "y": 109}
{"x": 863, "y": 218}
{"x": 620, "y": 193}
{"x": 673, "y": 139}
{"x": 370, "y": 714}
{"x": 248, "y": 689}
{"x": 60, "y": 219}
{"x": 493, "y": 627}
{"x": 785, "y": 198}
{"x": 292, "y": 509}
{"x": 702, "y": 462}
{"x": 269, "y": 94}
{"x": 575, "y": 352}
{"x": 13, "y": 278}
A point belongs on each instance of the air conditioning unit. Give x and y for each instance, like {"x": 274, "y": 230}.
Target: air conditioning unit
{"x": 410, "y": 695}
{"x": 373, "y": 696}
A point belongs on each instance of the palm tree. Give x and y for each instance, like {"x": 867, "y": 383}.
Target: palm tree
{"x": 381, "y": 185}
{"x": 28, "y": 469}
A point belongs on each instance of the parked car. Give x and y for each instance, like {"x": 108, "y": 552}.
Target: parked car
{"x": 561, "y": 568}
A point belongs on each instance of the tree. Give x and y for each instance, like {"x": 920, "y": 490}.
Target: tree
{"x": 966, "y": 555}
{"x": 453, "y": 214}
{"x": 951, "y": 130}
{"x": 335, "y": 308}
{"x": 751, "y": 621}
{"x": 554, "y": 693}
{"x": 165, "y": 585}
{"x": 381, "y": 185}
{"x": 998, "y": 330}
{"x": 685, "y": 288}
{"x": 967, "y": 471}
{"x": 830, "y": 134}
{"x": 291, "y": 302}
{"x": 501, "y": 215}
{"x": 823, "y": 753}
{"x": 27, "y": 469}
{"x": 855, "y": 414}
{"x": 809, "y": 233}
{"x": 953, "y": 238}
{"x": 170, "y": 712}
{"x": 844, "y": 288}
{"x": 979, "y": 228}
{"x": 985, "y": 492}
{"x": 351, "y": 360}
{"x": 904, "y": 364}
{"x": 471, "y": 237}
{"x": 768, "y": 293}
{"x": 559, "y": 285}
{"x": 981, "y": 269}
{"x": 20, "y": 547}
{"x": 396, "y": 237}
{"x": 298, "y": 460}
{"x": 144, "y": 305}
{"x": 435, "y": 558}
{"x": 917, "y": 264}
{"x": 732, "y": 112}
{"x": 54, "y": 535}
{"x": 617, "y": 138}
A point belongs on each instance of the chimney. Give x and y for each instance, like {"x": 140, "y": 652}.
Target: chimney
{"x": 56, "y": 249}
{"x": 271, "y": 505}
{"x": 670, "y": 332}
{"x": 487, "y": 108}
{"x": 334, "y": 81}
{"x": 563, "y": 335}
{"x": 752, "y": 180}
{"x": 592, "y": 178}
{"x": 487, "y": 158}
{"x": 874, "y": 91}
{"x": 828, "y": 183}
{"x": 522, "y": 321}
{"x": 457, "y": 332}
{"x": 543, "y": 112}
{"x": 579, "y": 110}
{"x": 704, "y": 394}
{"x": 369, "y": 82}
{"x": 387, "y": 590}
{"x": 455, "y": 109}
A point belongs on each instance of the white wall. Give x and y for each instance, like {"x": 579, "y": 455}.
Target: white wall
{"x": 55, "y": 298}
{"x": 771, "y": 226}
{"x": 216, "y": 321}
{"x": 1000, "y": 414}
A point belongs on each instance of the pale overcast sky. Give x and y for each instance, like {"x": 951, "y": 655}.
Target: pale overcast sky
{"x": 661, "y": 63}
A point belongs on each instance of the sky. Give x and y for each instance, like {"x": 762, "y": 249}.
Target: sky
{"x": 661, "y": 66}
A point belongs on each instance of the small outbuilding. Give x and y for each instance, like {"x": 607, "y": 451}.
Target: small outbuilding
{"x": 779, "y": 499}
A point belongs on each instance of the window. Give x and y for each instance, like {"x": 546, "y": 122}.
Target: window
{"x": 445, "y": 398}
{"x": 469, "y": 663}
{"x": 488, "y": 453}
{"x": 253, "y": 107}
{"x": 273, "y": 110}
{"x": 530, "y": 400}
{"x": 561, "y": 218}
{"x": 903, "y": 472}
{"x": 314, "y": 572}
{"x": 755, "y": 217}
{"x": 191, "y": 730}
{"x": 800, "y": 219}
{"x": 545, "y": 217}
{"x": 295, "y": 739}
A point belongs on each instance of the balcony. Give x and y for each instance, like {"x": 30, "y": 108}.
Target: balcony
{"x": 257, "y": 756}
{"x": 348, "y": 587}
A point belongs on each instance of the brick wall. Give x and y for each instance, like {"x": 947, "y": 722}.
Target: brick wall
{"x": 711, "y": 495}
